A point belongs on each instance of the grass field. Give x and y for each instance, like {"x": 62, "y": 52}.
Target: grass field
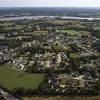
{"x": 6, "y": 24}
{"x": 74, "y": 32}
{"x": 70, "y": 32}
{"x": 11, "y": 78}
{"x": 40, "y": 32}
{"x": 74, "y": 55}
{"x": 17, "y": 27}
{"x": 61, "y": 22}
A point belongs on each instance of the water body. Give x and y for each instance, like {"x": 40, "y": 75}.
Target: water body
{"x": 38, "y": 17}
{"x": 20, "y": 18}
{"x": 81, "y": 18}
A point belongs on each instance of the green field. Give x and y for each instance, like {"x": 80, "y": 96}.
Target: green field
{"x": 70, "y": 32}
{"x": 6, "y": 24}
{"x": 10, "y": 78}
{"x": 17, "y": 27}
{"x": 61, "y": 22}
{"x": 74, "y": 55}
{"x": 40, "y": 32}
{"x": 74, "y": 32}
{"x": 9, "y": 26}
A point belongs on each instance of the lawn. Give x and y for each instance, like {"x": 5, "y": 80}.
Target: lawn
{"x": 10, "y": 78}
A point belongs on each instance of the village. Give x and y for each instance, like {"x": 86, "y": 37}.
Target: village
{"x": 70, "y": 57}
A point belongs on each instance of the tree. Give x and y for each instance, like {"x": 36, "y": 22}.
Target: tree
{"x": 33, "y": 68}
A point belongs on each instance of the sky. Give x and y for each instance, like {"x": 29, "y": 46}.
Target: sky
{"x": 49, "y": 3}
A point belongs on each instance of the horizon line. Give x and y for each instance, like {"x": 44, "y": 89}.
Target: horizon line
{"x": 46, "y": 7}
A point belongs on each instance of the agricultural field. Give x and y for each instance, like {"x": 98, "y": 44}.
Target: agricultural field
{"x": 10, "y": 78}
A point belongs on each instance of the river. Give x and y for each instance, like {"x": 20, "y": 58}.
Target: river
{"x": 38, "y": 17}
